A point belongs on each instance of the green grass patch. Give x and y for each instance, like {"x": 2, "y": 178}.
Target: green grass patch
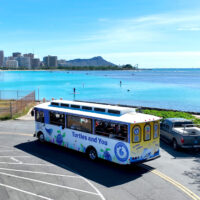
{"x": 171, "y": 114}
{"x": 5, "y": 117}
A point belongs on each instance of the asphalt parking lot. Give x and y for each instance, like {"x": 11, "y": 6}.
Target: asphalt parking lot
{"x": 33, "y": 170}
{"x": 27, "y": 176}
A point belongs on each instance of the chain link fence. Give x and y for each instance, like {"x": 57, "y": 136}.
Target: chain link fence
{"x": 14, "y": 101}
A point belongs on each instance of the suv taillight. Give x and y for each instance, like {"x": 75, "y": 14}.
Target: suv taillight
{"x": 182, "y": 140}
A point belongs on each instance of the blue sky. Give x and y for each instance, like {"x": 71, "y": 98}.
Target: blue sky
{"x": 151, "y": 33}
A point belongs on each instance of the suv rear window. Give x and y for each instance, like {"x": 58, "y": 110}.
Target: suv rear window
{"x": 181, "y": 124}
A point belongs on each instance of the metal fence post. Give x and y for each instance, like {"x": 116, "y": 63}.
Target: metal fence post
{"x": 34, "y": 96}
{"x": 11, "y": 109}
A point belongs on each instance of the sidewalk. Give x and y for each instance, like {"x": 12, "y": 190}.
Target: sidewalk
{"x": 197, "y": 116}
{"x": 27, "y": 116}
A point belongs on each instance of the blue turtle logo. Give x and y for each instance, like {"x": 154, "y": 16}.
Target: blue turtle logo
{"x": 121, "y": 151}
{"x": 49, "y": 130}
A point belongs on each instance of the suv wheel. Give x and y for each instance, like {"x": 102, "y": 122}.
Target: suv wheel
{"x": 175, "y": 145}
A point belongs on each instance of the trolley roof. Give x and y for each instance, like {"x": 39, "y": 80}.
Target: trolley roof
{"x": 101, "y": 111}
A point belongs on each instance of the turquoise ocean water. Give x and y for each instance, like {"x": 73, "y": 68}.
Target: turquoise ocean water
{"x": 161, "y": 88}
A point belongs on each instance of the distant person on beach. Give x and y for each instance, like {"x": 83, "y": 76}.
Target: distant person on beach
{"x": 120, "y": 83}
{"x": 74, "y": 90}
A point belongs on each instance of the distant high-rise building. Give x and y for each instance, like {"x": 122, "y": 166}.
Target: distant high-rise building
{"x": 16, "y": 54}
{"x": 11, "y": 58}
{"x": 1, "y": 58}
{"x": 30, "y": 55}
{"x": 53, "y": 61}
{"x": 46, "y": 61}
{"x": 50, "y": 61}
{"x": 35, "y": 63}
{"x": 11, "y": 64}
{"x": 4, "y": 61}
{"x": 24, "y": 62}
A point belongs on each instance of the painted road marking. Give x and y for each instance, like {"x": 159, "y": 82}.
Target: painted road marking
{"x": 14, "y": 159}
{"x": 52, "y": 184}
{"x": 172, "y": 181}
{"x": 44, "y": 173}
{"x": 98, "y": 192}
{"x": 2, "y": 146}
{"x": 8, "y": 133}
{"x": 61, "y": 175}
{"x": 8, "y": 150}
{"x": 92, "y": 185}
{"x": 26, "y": 192}
{"x": 8, "y": 163}
{"x": 15, "y": 156}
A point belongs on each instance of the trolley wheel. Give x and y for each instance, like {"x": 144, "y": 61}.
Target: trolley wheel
{"x": 41, "y": 137}
{"x": 92, "y": 153}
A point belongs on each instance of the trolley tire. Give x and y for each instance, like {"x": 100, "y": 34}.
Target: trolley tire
{"x": 92, "y": 153}
{"x": 41, "y": 137}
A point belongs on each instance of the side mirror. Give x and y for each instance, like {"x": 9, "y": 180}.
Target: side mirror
{"x": 32, "y": 113}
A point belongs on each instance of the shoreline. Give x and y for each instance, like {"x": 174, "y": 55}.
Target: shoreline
{"x": 54, "y": 70}
{"x": 144, "y": 107}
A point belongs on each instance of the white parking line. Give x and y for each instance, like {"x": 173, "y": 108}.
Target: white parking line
{"x": 23, "y": 134}
{"x": 52, "y": 184}
{"x": 98, "y": 192}
{"x": 92, "y": 185}
{"x": 14, "y": 159}
{"x": 36, "y": 164}
{"x": 14, "y": 156}
{"x": 3, "y": 146}
{"x": 44, "y": 173}
{"x": 26, "y": 192}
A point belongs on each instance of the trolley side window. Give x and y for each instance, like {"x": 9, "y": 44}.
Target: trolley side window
{"x": 147, "y": 132}
{"x": 155, "y": 130}
{"x": 39, "y": 116}
{"x": 56, "y": 118}
{"x": 111, "y": 130}
{"x": 79, "y": 123}
{"x": 136, "y": 132}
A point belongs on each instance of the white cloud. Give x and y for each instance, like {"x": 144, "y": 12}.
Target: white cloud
{"x": 152, "y": 28}
{"x": 168, "y": 18}
{"x": 188, "y": 29}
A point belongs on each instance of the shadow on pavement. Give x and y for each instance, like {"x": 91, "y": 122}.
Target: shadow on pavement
{"x": 180, "y": 153}
{"x": 102, "y": 172}
{"x": 194, "y": 172}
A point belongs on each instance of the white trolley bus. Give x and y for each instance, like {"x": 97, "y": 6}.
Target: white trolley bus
{"x": 114, "y": 133}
